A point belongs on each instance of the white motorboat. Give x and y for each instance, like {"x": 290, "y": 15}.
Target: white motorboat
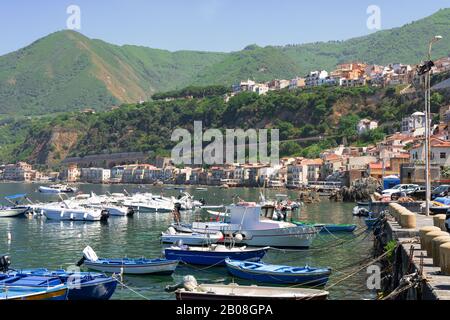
{"x": 103, "y": 203}
{"x": 8, "y": 212}
{"x": 57, "y": 188}
{"x": 253, "y": 225}
{"x": 15, "y": 209}
{"x": 63, "y": 212}
{"x": 194, "y": 239}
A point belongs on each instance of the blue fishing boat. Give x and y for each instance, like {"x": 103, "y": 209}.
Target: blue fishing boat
{"x": 127, "y": 265}
{"x": 370, "y": 222}
{"x": 328, "y": 227}
{"x": 278, "y": 274}
{"x": 15, "y": 287}
{"x": 82, "y": 285}
{"x": 53, "y": 293}
{"x": 213, "y": 255}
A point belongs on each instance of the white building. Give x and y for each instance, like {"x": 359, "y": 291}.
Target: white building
{"x": 366, "y": 125}
{"x": 95, "y": 175}
{"x": 439, "y": 152}
{"x": 316, "y": 78}
{"x": 413, "y": 122}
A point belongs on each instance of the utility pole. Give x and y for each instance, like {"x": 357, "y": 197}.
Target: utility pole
{"x": 424, "y": 70}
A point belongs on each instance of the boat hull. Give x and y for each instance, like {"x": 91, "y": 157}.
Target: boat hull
{"x": 210, "y": 258}
{"x": 217, "y": 297}
{"x": 192, "y": 240}
{"x": 12, "y": 212}
{"x": 293, "y": 237}
{"x": 94, "y": 290}
{"x": 70, "y": 215}
{"x": 236, "y": 292}
{"x": 316, "y": 279}
{"x": 161, "y": 268}
{"x": 29, "y": 294}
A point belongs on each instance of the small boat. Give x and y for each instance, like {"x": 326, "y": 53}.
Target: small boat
{"x": 370, "y": 222}
{"x": 127, "y": 265}
{"x": 29, "y": 287}
{"x": 192, "y": 239}
{"x": 82, "y": 285}
{"x": 213, "y": 255}
{"x": 57, "y": 188}
{"x": 329, "y": 227}
{"x": 15, "y": 209}
{"x": 233, "y": 291}
{"x": 278, "y": 274}
{"x": 440, "y": 205}
{"x": 201, "y": 189}
{"x": 360, "y": 212}
{"x": 58, "y": 292}
{"x": 65, "y": 212}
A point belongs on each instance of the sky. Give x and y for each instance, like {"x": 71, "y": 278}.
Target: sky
{"x": 207, "y": 25}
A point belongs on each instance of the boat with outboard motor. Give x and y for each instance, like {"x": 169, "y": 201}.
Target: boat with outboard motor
{"x": 15, "y": 209}
{"x": 191, "y": 290}
{"x": 81, "y": 285}
{"x": 57, "y": 188}
{"x": 127, "y": 265}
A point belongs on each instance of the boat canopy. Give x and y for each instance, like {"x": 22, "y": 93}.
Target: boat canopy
{"x": 16, "y": 196}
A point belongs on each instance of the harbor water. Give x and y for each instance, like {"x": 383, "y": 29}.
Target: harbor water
{"x": 38, "y": 242}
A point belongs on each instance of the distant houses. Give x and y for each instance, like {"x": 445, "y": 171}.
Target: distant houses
{"x": 350, "y": 74}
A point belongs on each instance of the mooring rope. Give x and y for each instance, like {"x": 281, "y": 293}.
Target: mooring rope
{"x": 129, "y": 288}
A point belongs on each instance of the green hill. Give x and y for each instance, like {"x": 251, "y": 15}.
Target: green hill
{"x": 329, "y": 112}
{"x": 67, "y": 71}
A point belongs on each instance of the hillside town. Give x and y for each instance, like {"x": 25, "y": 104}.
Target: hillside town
{"x": 399, "y": 154}
{"x": 349, "y": 74}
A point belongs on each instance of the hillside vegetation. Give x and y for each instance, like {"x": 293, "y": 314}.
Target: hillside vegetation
{"x": 328, "y": 115}
{"x": 67, "y": 71}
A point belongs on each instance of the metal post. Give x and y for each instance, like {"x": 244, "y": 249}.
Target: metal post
{"x": 427, "y": 147}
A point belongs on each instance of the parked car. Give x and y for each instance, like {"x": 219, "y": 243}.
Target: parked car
{"x": 441, "y": 191}
{"x": 418, "y": 193}
{"x": 400, "y": 188}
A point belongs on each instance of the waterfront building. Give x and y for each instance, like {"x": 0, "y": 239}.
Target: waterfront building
{"x": 95, "y": 175}
{"x": 70, "y": 174}
{"x": 295, "y": 176}
{"x": 439, "y": 152}
{"x": 20, "y": 171}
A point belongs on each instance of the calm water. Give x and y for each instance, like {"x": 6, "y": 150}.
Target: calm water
{"x": 40, "y": 243}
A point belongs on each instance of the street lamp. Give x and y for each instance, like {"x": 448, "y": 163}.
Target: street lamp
{"x": 424, "y": 70}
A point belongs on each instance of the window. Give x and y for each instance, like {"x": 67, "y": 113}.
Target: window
{"x": 443, "y": 155}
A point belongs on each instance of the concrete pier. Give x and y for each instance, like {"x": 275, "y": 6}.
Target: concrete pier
{"x": 411, "y": 257}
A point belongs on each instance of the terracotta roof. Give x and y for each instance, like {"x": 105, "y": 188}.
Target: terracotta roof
{"x": 332, "y": 156}
{"x": 312, "y": 162}
{"x": 378, "y": 165}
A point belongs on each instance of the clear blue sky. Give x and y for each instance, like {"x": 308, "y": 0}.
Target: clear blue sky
{"x": 213, "y": 25}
